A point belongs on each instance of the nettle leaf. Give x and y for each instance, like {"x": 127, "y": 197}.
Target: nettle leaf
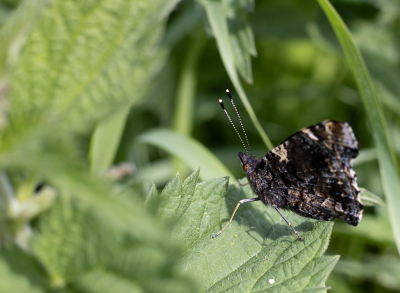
{"x": 20, "y": 272}
{"x": 257, "y": 252}
{"x": 96, "y": 248}
{"x": 84, "y": 60}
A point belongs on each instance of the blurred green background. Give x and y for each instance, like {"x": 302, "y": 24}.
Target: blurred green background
{"x": 295, "y": 76}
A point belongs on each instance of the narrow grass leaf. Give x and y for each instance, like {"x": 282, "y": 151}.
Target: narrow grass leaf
{"x": 386, "y": 157}
{"x": 105, "y": 141}
{"x": 370, "y": 199}
{"x": 186, "y": 93}
{"x": 188, "y": 150}
{"x": 219, "y": 26}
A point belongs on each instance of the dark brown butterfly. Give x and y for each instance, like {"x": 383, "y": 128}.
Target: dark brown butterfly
{"x": 310, "y": 173}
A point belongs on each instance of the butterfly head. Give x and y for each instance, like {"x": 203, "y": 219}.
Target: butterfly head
{"x": 249, "y": 162}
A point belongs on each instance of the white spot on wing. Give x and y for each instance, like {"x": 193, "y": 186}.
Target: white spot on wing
{"x": 311, "y": 135}
{"x": 271, "y": 281}
{"x": 351, "y": 162}
{"x": 360, "y": 215}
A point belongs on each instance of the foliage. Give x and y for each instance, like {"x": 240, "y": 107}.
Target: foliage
{"x": 252, "y": 254}
{"x": 84, "y": 88}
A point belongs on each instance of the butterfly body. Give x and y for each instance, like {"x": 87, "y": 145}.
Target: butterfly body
{"x": 310, "y": 173}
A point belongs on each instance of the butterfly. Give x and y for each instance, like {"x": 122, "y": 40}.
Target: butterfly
{"x": 310, "y": 173}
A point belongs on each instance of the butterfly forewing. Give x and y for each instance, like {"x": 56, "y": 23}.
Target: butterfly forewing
{"x": 311, "y": 174}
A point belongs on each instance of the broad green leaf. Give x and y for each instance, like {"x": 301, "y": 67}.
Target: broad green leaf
{"x": 188, "y": 150}
{"x": 83, "y": 61}
{"x": 370, "y": 199}
{"x": 13, "y": 35}
{"x": 20, "y": 272}
{"x": 387, "y": 160}
{"x": 14, "y": 32}
{"x": 257, "y": 253}
{"x": 97, "y": 248}
{"x": 219, "y": 26}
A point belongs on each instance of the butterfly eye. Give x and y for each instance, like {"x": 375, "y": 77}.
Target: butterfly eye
{"x": 245, "y": 167}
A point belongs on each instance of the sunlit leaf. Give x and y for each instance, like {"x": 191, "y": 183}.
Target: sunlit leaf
{"x": 83, "y": 61}
{"x": 87, "y": 248}
{"x": 258, "y": 252}
{"x": 20, "y": 272}
{"x": 189, "y": 151}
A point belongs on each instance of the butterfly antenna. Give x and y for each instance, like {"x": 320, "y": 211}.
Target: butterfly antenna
{"x": 230, "y": 120}
{"x": 240, "y": 120}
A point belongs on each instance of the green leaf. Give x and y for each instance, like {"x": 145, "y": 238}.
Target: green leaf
{"x": 98, "y": 248}
{"x": 387, "y": 160}
{"x": 15, "y": 31}
{"x": 13, "y": 35}
{"x": 20, "y": 272}
{"x": 241, "y": 36}
{"x": 188, "y": 150}
{"x": 83, "y": 61}
{"x": 370, "y": 199}
{"x": 105, "y": 141}
{"x": 258, "y": 252}
{"x": 219, "y": 26}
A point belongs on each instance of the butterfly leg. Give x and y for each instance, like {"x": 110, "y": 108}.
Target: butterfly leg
{"x": 237, "y": 206}
{"x": 275, "y": 207}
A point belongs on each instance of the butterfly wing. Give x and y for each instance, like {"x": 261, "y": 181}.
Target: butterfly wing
{"x": 311, "y": 174}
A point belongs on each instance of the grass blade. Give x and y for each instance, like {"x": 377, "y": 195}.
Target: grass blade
{"x": 219, "y": 27}
{"x": 105, "y": 141}
{"x": 187, "y": 150}
{"x": 383, "y": 144}
{"x": 186, "y": 93}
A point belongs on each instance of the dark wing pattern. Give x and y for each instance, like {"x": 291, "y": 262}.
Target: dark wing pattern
{"x": 311, "y": 173}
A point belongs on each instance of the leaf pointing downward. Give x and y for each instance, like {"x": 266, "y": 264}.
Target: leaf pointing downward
{"x": 257, "y": 252}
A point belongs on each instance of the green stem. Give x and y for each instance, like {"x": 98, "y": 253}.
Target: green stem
{"x": 184, "y": 105}
{"x": 186, "y": 93}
